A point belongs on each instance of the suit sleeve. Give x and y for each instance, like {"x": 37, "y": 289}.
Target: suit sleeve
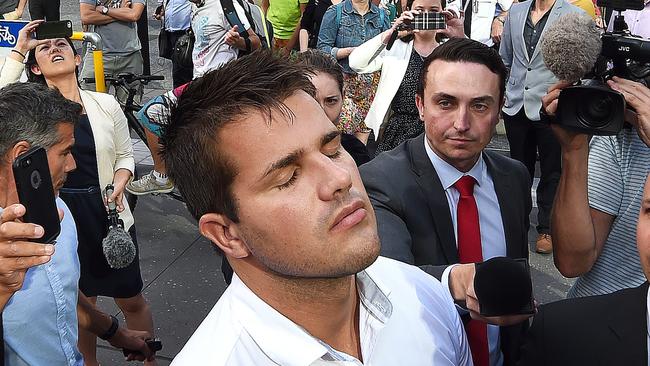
{"x": 393, "y": 232}
{"x": 505, "y": 50}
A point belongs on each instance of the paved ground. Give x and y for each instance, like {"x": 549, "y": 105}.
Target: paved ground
{"x": 180, "y": 269}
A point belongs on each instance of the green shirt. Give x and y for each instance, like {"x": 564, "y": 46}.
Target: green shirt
{"x": 284, "y": 15}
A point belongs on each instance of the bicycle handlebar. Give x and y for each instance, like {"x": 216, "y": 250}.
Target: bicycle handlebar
{"x": 127, "y": 78}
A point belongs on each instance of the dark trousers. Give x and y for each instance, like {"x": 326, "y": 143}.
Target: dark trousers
{"x": 44, "y": 9}
{"x": 526, "y": 139}
{"x": 180, "y": 74}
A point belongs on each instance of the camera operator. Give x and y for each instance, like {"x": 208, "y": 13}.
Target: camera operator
{"x": 599, "y": 195}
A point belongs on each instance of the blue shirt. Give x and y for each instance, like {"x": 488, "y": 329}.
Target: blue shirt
{"x": 178, "y": 14}
{"x": 40, "y": 321}
{"x": 354, "y": 29}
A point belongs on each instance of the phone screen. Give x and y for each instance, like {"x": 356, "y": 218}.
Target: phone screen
{"x": 36, "y": 193}
{"x": 57, "y": 29}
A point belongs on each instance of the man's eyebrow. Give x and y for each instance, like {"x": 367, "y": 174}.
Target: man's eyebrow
{"x": 326, "y": 139}
{"x": 443, "y": 96}
{"x": 485, "y": 98}
{"x": 286, "y": 161}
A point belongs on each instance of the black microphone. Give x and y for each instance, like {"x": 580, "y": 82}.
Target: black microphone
{"x": 391, "y": 39}
{"x": 503, "y": 287}
{"x": 118, "y": 246}
{"x": 571, "y": 46}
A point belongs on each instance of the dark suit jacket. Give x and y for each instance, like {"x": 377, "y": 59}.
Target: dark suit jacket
{"x": 597, "y": 330}
{"x": 413, "y": 215}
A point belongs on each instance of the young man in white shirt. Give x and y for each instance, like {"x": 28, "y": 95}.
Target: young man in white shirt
{"x": 262, "y": 168}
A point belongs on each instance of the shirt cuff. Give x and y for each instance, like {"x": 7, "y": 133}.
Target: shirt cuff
{"x": 334, "y": 51}
{"x": 445, "y": 277}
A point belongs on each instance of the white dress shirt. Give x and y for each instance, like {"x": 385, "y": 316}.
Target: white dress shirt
{"x": 648, "y": 321}
{"x": 406, "y": 318}
{"x": 493, "y": 238}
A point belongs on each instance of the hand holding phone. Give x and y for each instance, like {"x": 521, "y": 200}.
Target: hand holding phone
{"x": 35, "y": 192}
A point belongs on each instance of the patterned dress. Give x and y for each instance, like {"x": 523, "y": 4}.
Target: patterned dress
{"x": 405, "y": 120}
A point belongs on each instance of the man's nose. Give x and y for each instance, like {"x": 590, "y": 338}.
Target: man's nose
{"x": 336, "y": 180}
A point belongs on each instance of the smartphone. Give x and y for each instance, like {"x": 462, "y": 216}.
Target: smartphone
{"x": 56, "y": 29}
{"x": 429, "y": 21}
{"x": 233, "y": 19}
{"x": 36, "y": 193}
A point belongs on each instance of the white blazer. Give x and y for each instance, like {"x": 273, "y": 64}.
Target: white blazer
{"x": 110, "y": 130}
{"x": 372, "y": 56}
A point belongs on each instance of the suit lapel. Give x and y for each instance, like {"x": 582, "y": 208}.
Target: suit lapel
{"x": 434, "y": 193}
{"x": 628, "y": 322}
{"x": 555, "y": 13}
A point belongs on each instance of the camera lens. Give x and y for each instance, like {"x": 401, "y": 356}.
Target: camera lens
{"x": 597, "y": 112}
{"x": 28, "y": 162}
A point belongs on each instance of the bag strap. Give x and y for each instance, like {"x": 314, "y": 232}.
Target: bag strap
{"x": 228, "y": 6}
{"x": 339, "y": 13}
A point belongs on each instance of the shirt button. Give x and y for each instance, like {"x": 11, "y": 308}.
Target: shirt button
{"x": 529, "y": 69}
{"x": 526, "y": 88}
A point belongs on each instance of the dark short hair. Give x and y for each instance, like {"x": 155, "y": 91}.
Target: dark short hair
{"x": 203, "y": 172}
{"x": 31, "y": 60}
{"x": 465, "y": 50}
{"x": 317, "y": 61}
{"x": 31, "y": 112}
{"x": 409, "y": 4}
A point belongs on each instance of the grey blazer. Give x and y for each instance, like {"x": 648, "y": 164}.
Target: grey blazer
{"x": 529, "y": 78}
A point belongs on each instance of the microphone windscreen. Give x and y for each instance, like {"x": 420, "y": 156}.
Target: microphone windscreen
{"x": 571, "y": 46}
{"x": 503, "y": 287}
{"x": 118, "y": 248}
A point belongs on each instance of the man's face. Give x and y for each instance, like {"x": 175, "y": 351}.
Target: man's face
{"x": 302, "y": 207}
{"x": 460, "y": 109}
{"x": 643, "y": 230}
{"x": 59, "y": 156}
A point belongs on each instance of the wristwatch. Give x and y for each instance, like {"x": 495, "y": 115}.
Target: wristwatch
{"x": 112, "y": 330}
{"x": 105, "y": 10}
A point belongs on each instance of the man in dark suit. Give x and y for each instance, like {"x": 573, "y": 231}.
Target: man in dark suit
{"x": 425, "y": 212}
{"x": 607, "y": 329}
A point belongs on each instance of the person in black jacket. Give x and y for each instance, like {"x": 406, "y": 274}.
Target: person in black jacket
{"x": 310, "y": 22}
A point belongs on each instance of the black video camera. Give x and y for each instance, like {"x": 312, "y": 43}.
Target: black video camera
{"x": 593, "y": 107}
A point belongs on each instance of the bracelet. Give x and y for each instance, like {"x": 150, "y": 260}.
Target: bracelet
{"x": 18, "y": 52}
{"x": 112, "y": 330}
{"x": 503, "y": 21}
{"x": 249, "y": 46}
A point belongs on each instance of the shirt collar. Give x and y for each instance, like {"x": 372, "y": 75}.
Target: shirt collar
{"x": 347, "y": 6}
{"x": 285, "y": 342}
{"x": 448, "y": 174}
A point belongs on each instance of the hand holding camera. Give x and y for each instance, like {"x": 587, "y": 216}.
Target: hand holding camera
{"x": 637, "y": 96}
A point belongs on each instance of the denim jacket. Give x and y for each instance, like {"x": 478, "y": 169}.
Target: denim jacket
{"x": 353, "y": 31}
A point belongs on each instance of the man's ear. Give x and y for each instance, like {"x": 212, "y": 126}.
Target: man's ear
{"x": 224, "y": 233}
{"x": 36, "y": 69}
{"x": 19, "y": 148}
{"x": 419, "y": 103}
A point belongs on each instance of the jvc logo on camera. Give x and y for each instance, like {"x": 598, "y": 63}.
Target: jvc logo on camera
{"x": 624, "y": 49}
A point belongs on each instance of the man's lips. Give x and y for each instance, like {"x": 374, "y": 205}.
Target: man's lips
{"x": 349, "y": 216}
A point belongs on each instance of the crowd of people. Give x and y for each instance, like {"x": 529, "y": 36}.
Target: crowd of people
{"x": 352, "y": 230}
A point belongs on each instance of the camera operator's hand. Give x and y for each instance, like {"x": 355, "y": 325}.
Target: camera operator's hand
{"x": 569, "y": 140}
{"x": 638, "y": 97}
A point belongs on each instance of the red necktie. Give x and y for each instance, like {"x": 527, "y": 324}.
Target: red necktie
{"x": 470, "y": 251}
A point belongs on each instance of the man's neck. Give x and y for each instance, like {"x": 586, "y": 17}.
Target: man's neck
{"x": 326, "y": 308}
{"x": 543, "y": 5}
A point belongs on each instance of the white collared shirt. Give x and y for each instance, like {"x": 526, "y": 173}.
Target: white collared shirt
{"x": 493, "y": 238}
{"x": 406, "y": 318}
{"x": 648, "y": 322}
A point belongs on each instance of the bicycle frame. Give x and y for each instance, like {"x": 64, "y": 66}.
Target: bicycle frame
{"x": 98, "y": 56}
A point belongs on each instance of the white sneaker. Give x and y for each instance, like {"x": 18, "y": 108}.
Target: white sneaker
{"x": 149, "y": 184}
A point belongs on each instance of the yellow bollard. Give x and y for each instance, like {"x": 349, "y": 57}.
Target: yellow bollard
{"x": 98, "y": 60}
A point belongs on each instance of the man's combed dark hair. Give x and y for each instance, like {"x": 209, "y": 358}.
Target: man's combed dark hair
{"x": 204, "y": 174}
{"x": 465, "y": 50}
{"x": 31, "y": 112}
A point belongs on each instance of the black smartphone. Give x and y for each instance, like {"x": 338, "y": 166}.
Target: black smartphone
{"x": 503, "y": 286}
{"x": 36, "y": 193}
{"x": 55, "y": 29}
{"x": 429, "y": 21}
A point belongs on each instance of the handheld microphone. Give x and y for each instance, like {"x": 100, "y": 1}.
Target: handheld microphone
{"x": 118, "y": 246}
{"x": 571, "y": 46}
{"x": 503, "y": 287}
